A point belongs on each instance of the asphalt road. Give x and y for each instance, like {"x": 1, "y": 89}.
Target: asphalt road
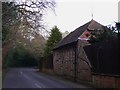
{"x": 29, "y": 78}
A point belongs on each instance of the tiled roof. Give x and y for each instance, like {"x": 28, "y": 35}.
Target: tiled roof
{"x": 73, "y": 36}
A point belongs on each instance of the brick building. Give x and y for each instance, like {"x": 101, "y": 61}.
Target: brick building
{"x": 69, "y": 57}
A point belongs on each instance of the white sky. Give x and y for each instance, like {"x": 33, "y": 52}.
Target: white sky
{"x": 71, "y": 14}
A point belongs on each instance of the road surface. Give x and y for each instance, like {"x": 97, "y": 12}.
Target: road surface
{"x": 29, "y": 78}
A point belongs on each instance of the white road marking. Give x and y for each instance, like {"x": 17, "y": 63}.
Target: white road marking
{"x": 38, "y": 86}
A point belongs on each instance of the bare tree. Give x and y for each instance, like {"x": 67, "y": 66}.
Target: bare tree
{"x": 31, "y": 13}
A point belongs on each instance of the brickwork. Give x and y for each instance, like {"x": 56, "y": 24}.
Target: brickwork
{"x": 48, "y": 71}
{"x": 64, "y": 63}
{"x": 106, "y": 81}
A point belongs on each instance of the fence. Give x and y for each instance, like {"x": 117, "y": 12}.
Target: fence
{"x": 104, "y": 57}
{"x": 46, "y": 62}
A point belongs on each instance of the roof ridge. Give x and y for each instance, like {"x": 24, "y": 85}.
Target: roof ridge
{"x": 76, "y": 29}
{"x": 74, "y": 35}
{"x": 94, "y": 21}
{"x": 87, "y": 26}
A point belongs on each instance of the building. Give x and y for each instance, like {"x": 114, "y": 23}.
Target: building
{"x": 69, "y": 57}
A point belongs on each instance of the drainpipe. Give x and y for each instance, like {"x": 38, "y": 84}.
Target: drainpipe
{"x": 75, "y": 61}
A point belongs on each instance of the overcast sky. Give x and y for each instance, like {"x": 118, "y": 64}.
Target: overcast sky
{"x": 71, "y": 14}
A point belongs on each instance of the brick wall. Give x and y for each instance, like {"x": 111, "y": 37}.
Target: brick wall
{"x": 106, "y": 81}
{"x": 48, "y": 71}
{"x": 64, "y": 63}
